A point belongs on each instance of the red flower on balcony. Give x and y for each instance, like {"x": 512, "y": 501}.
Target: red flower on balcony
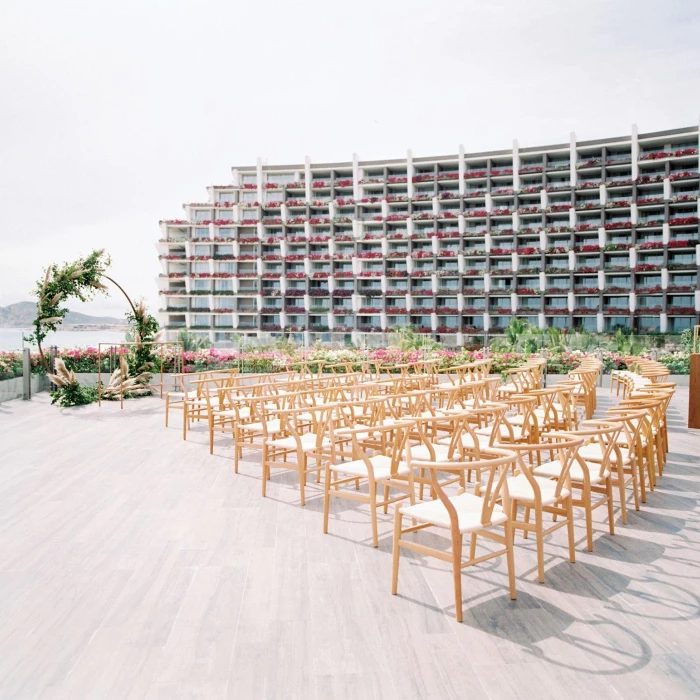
{"x": 296, "y": 220}
{"x": 422, "y": 254}
{"x": 249, "y": 186}
{"x": 618, "y": 225}
{"x": 527, "y": 291}
{"x": 558, "y": 207}
{"x": 446, "y": 310}
{"x": 676, "y": 288}
{"x": 646, "y": 179}
{"x": 248, "y": 222}
{"x": 319, "y": 239}
{"x": 502, "y": 272}
{"x": 474, "y": 174}
{"x": 397, "y": 198}
{"x": 446, "y": 329}
{"x": 646, "y": 267}
{"x": 556, "y": 310}
{"x": 296, "y": 185}
{"x": 682, "y": 198}
{"x": 558, "y": 229}
{"x": 317, "y": 220}
{"x": 395, "y": 180}
{"x": 556, "y": 250}
{"x": 369, "y": 255}
{"x": 501, "y": 212}
{"x": 500, "y": 251}
{"x": 343, "y": 237}
{"x": 319, "y": 184}
{"x": 295, "y": 203}
{"x": 531, "y": 169}
{"x": 422, "y": 216}
{"x": 680, "y": 310}
{"x": 343, "y": 183}
{"x": 651, "y": 245}
{"x": 397, "y": 217}
{"x": 683, "y": 221}
{"x": 295, "y": 275}
{"x": 528, "y": 210}
{"x": 502, "y": 191}
{"x": 448, "y": 215}
{"x": 587, "y": 248}
{"x": 501, "y": 171}
{"x": 397, "y": 273}
{"x": 528, "y": 251}
{"x": 649, "y": 223}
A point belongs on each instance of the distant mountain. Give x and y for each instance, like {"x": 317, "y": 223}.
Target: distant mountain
{"x": 22, "y": 314}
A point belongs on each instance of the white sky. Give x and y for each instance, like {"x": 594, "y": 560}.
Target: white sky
{"x": 115, "y": 113}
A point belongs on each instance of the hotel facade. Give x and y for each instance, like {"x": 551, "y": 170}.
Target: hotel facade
{"x": 597, "y": 235}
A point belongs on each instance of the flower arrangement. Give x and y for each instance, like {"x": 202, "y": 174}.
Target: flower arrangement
{"x": 683, "y": 221}
{"x": 587, "y": 248}
{"x": 647, "y": 268}
{"x": 528, "y": 251}
{"x": 617, "y": 225}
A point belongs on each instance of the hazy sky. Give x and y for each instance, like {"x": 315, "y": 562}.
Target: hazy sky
{"x": 114, "y": 114}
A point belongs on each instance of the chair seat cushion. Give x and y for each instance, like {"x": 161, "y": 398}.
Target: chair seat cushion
{"x": 468, "y": 507}
{"x": 593, "y": 453}
{"x": 273, "y": 426}
{"x": 308, "y": 442}
{"x": 553, "y": 470}
{"x": 519, "y": 488}
{"x": 381, "y": 464}
{"x": 181, "y": 394}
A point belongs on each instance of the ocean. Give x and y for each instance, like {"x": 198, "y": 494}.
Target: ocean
{"x": 11, "y": 338}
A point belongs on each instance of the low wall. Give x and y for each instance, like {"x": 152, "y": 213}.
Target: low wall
{"x": 12, "y": 388}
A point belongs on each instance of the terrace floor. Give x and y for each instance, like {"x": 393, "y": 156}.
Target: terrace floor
{"x": 133, "y": 565}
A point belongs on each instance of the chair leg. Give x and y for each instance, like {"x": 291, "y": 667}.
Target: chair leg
{"x": 396, "y": 551}
{"x": 167, "y": 406}
{"x": 326, "y": 498}
{"x": 510, "y": 559}
{"x": 386, "y": 498}
{"x": 570, "y": 528}
{"x": 623, "y": 493}
{"x": 526, "y": 518}
{"x": 373, "y": 512}
{"x": 265, "y": 469}
{"x": 302, "y": 479}
{"x": 540, "y": 545}
{"x": 457, "y": 573}
{"x": 211, "y": 433}
{"x": 472, "y": 546}
{"x": 611, "y": 511}
{"x": 588, "y": 510}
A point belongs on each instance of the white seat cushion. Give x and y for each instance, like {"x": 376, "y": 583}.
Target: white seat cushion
{"x": 308, "y": 442}
{"x": 181, "y": 394}
{"x": 242, "y": 412}
{"x": 380, "y": 463}
{"x": 273, "y": 426}
{"x": 594, "y": 453}
{"x": 421, "y": 452}
{"x": 468, "y": 507}
{"x": 519, "y": 488}
{"x": 553, "y": 470}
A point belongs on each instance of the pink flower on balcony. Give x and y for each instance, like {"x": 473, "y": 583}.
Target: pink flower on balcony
{"x": 474, "y": 174}
{"x": 527, "y": 251}
{"x": 320, "y": 275}
{"x": 249, "y": 222}
{"x": 651, "y": 245}
{"x": 296, "y": 220}
{"x": 249, "y": 186}
{"x": 422, "y": 216}
{"x": 319, "y": 239}
{"x": 397, "y": 217}
{"x": 475, "y": 213}
{"x": 586, "y": 248}
{"x": 501, "y": 212}
{"x": 526, "y": 291}
{"x": 395, "y": 180}
{"x": 319, "y": 184}
{"x": 501, "y": 251}
{"x": 295, "y": 275}
{"x": 501, "y": 171}
{"x": 295, "y": 203}
{"x": 172, "y": 221}
{"x": 316, "y": 220}
{"x": 559, "y": 207}
{"x": 272, "y": 205}
{"x": 296, "y": 185}
{"x": 271, "y": 275}
{"x": 343, "y": 183}
{"x": 618, "y": 225}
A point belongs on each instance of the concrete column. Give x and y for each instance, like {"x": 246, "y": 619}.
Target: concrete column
{"x": 572, "y": 260}
{"x": 601, "y": 279}
{"x": 541, "y": 320}
{"x": 462, "y": 169}
{"x": 663, "y": 323}
{"x": 697, "y": 301}
{"x": 603, "y": 195}
{"x": 488, "y": 202}
{"x": 487, "y": 321}
{"x": 664, "y": 278}
{"x": 516, "y": 165}
{"x": 409, "y": 173}
{"x": 572, "y": 217}
{"x": 634, "y": 214}
{"x": 635, "y": 152}
{"x": 667, "y": 188}
{"x": 487, "y": 282}
{"x": 355, "y": 176}
{"x": 259, "y": 178}
{"x": 307, "y": 177}
{"x": 666, "y": 233}
{"x": 600, "y": 322}
{"x": 633, "y": 258}
{"x": 633, "y": 302}
{"x": 513, "y": 302}
{"x": 570, "y": 301}
{"x": 601, "y": 236}
{"x": 543, "y": 281}
{"x": 544, "y": 199}
{"x": 572, "y": 157}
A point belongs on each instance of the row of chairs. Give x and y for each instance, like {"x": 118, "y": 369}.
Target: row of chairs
{"x": 492, "y": 457}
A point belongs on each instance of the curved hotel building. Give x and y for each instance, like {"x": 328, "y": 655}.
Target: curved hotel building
{"x": 587, "y": 234}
